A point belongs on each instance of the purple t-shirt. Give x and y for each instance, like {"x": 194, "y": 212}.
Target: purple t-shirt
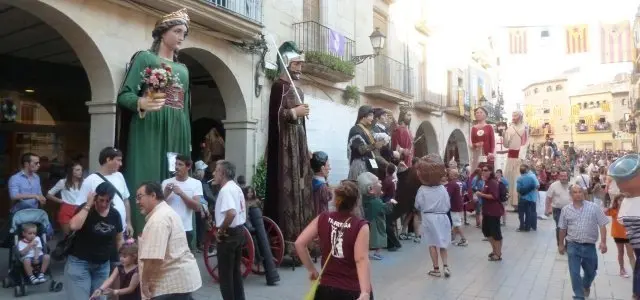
{"x": 492, "y": 207}
{"x": 455, "y": 194}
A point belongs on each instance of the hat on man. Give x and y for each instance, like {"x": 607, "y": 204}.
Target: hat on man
{"x": 625, "y": 168}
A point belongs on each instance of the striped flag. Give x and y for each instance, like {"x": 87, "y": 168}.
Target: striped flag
{"x": 605, "y": 107}
{"x": 518, "y": 40}
{"x": 577, "y": 39}
{"x": 575, "y": 110}
{"x": 616, "y": 42}
{"x": 557, "y": 111}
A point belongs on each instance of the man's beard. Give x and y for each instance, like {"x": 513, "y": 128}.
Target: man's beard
{"x": 295, "y": 75}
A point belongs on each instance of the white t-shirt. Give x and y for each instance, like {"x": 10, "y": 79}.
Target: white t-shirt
{"x": 191, "y": 187}
{"x": 559, "y": 194}
{"x": 583, "y": 181}
{"x": 31, "y": 254}
{"x": 91, "y": 183}
{"x": 230, "y": 197}
{"x": 70, "y": 196}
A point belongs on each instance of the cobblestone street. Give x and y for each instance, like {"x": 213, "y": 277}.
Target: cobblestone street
{"x": 531, "y": 269}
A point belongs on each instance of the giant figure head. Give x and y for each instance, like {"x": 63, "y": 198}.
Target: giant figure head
{"x": 626, "y": 172}
{"x": 170, "y": 31}
{"x": 293, "y": 59}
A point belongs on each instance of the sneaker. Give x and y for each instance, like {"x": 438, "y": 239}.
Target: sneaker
{"x": 462, "y": 243}
{"x": 33, "y": 279}
{"x": 623, "y": 273}
{"x": 447, "y": 273}
{"x": 41, "y": 278}
{"x": 376, "y": 256}
{"x": 417, "y": 239}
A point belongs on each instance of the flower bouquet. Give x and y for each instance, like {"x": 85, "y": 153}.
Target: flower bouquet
{"x": 158, "y": 80}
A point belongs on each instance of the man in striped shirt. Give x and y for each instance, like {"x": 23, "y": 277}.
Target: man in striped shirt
{"x": 580, "y": 223}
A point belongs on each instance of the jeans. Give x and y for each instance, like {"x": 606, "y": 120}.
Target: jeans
{"x": 81, "y": 277}
{"x": 556, "y": 218}
{"x": 527, "y": 215}
{"x": 229, "y": 260}
{"x": 582, "y": 256}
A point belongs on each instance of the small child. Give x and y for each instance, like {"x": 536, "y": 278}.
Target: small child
{"x": 619, "y": 235}
{"x": 30, "y": 247}
{"x": 126, "y": 273}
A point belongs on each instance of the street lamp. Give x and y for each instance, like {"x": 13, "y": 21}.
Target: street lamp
{"x": 377, "y": 39}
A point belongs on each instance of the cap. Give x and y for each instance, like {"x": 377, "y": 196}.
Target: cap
{"x": 625, "y": 168}
{"x": 200, "y": 165}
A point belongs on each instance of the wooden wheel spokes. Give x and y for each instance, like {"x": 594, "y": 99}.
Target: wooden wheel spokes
{"x": 211, "y": 256}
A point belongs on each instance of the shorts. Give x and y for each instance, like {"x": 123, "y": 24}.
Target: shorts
{"x": 65, "y": 213}
{"x": 491, "y": 227}
{"x": 621, "y": 240}
{"x": 36, "y": 261}
{"x": 456, "y": 218}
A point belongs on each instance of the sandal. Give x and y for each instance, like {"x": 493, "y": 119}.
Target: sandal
{"x": 490, "y": 254}
{"x": 435, "y": 272}
{"x": 495, "y": 257}
{"x": 403, "y": 237}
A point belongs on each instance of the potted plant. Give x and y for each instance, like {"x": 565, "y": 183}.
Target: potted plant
{"x": 259, "y": 180}
{"x": 351, "y": 95}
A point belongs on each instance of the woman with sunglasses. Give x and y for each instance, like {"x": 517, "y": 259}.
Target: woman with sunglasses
{"x": 98, "y": 233}
{"x": 492, "y": 211}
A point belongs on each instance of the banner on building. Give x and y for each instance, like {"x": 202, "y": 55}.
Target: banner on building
{"x": 616, "y": 42}
{"x": 577, "y": 39}
{"x": 575, "y": 110}
{"x": 557, "y": 111}
{"x": 518, "y": 40}
{"x": 605, "y": 106}
{"x": 336, "y": 43}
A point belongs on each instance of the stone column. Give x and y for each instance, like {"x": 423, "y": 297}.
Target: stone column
{"x": 240, "y": 145}
{"x": 102, "y": 132}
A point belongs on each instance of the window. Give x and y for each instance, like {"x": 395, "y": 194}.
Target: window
{"x": 546, "y": 111}
{"x": 623, "y": 102}
{"x": 558, "y": 87}
{"x": 549, "y": 89}
{"x": 585, "y": 105}
{"x": 544, "y": 34}
{"x": 597, "y": 103}
{"x": 602, "y": 120}
{"x": 535, "y": 91}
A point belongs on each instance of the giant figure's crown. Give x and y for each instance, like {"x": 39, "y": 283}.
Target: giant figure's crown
{"x": 180, "y": 15}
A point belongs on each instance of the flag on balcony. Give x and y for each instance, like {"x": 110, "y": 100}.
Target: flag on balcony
{"x": 605, "y": 107}
{"x": 557, "y": 111}
{"x": 577, "y": 39}
{"x": 575, "y": 110}
{"x": 518, "y": 40}
{"x": 336, "y": 43}
{"x": 616, "y": 43}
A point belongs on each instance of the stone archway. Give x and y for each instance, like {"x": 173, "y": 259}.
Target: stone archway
{"x": 457, "y": 148}
{"x": 425, "y": 140}
{"x": 55, "y": 14}
{"x": 237, "y": 126}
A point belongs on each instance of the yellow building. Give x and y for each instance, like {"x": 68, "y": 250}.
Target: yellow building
{"x": 547, "y": 110}
{"x": 592, "y": 118}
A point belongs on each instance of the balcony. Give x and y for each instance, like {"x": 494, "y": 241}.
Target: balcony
{"x": 538, "y": 131}
{"x": 391, "y": 80}
{"x": 600, "y": 127}
{"x": 428, "y": 101}
{"x": 327, "y": 52}
{"x": 231, "y": 19}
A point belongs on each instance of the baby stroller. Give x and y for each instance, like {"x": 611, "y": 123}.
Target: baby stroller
{"x": 17, "y": 278}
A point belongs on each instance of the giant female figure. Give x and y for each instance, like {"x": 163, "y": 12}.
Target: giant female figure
{"x": 483, "y": 142}
{"x": 155, "y": 124}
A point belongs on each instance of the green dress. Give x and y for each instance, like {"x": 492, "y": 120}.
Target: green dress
{"x": 160, "y": 132}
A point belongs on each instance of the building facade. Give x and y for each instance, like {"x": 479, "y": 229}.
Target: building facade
{"x": 547, "y": 110}
{"x": 94, "y": 40}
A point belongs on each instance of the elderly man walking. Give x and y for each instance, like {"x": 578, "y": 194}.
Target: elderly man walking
{"x": 168, "y": 270}
{"x": 580, "y": 223}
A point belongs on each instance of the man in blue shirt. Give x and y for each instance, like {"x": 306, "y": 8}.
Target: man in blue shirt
{"x": 527, "y": 186}
{"x": 24, "y": 187}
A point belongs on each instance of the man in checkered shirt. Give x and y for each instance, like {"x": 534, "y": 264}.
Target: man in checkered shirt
{"x": 579, "y": 224}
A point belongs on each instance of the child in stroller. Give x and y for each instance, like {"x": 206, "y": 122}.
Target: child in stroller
{"x": 33, "y": 258}
{"x": 29, "y": 255}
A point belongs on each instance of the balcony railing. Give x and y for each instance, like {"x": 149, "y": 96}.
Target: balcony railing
{"x": 596, "y": 128}
{"x": 391, "y": 74}
{"x": 250, "y": 9}
{"x": 314, "y": 37}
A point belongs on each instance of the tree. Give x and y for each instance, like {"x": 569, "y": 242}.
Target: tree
{"x": 499, "y": 108}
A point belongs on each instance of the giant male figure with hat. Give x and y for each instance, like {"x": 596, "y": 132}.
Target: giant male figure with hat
{"x": 154, "y": 110}
{"x": 288, "y": 196}
{"x": 626, "y": 172}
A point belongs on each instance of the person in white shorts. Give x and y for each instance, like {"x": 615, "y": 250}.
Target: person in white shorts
{"x": 455, "y": 190}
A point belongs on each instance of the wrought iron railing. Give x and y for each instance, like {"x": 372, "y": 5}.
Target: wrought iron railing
{"x": 598, "y": 127}
{"x": 392, "y": 74}
{"x": 250, "y": 9}
{"x": 314, "y": 37}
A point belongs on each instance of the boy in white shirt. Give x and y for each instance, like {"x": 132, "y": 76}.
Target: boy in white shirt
{"x": 183, "y": 194}
{"x": 31, "y": 254}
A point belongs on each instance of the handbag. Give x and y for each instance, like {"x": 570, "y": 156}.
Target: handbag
{"x": 311, "y": 294}
{"x": 63, "y": 247}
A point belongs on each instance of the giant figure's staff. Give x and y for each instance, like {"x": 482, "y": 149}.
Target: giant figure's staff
{"x": 295, "y": 90}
